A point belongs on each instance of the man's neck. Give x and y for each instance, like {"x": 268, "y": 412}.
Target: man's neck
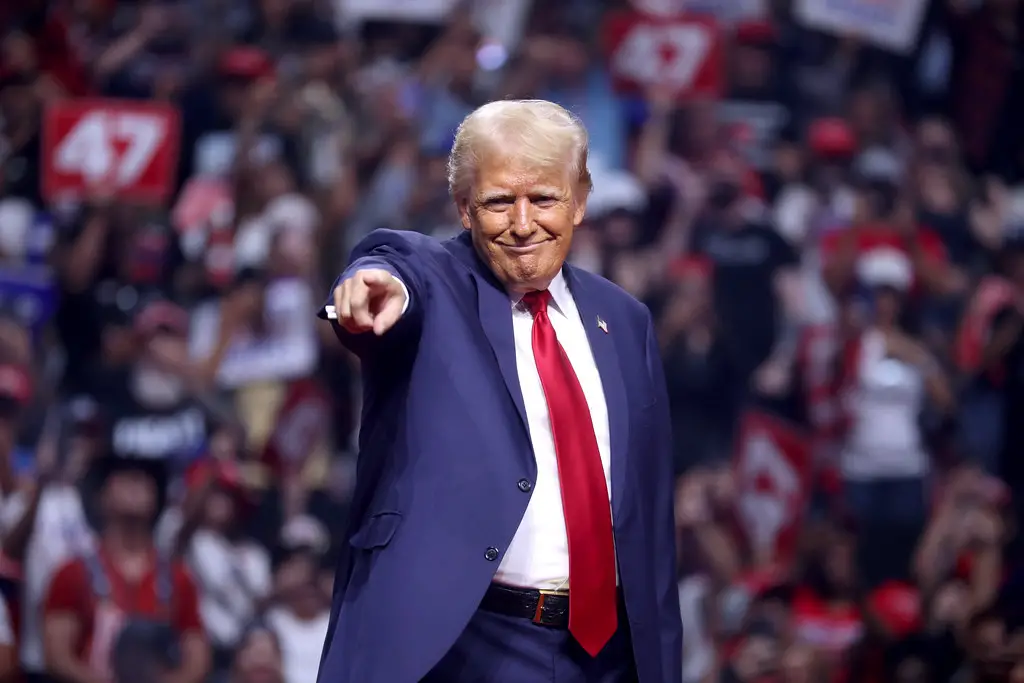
{"x": 129, "y": 552}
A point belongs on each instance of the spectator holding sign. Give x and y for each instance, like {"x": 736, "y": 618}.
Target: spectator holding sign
{"x": 889, "y": 379}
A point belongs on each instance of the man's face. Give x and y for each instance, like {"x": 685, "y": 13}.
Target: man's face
{"x": 130, "y": 496}
{"x": 259, "y": 659}
{"x": 522, "y": 218}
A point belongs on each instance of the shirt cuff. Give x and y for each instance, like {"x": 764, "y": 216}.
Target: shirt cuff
{"x": 331, "y": 314}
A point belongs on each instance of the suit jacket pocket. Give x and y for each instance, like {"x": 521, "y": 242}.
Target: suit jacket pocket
{"x": 377, "y": 531}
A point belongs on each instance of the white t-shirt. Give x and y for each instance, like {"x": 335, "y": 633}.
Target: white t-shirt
{"x": 61, "y": 532}
{"x": 302, "y": 643}
{"x": 884, "y": 439}
{"x": 230, "y": 577}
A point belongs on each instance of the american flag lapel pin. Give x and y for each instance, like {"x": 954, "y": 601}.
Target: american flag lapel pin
{"x": 602, "y": 325}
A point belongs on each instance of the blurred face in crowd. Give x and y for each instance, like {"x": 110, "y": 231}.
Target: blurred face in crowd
{"x": 757, "y": 656}
{"x": 869, "y": 115}
{"x": 936, "y": 143}
{"x": 119, "y": 344}
{"x": 726, "y": 181}
{"x": 695, "y": 130}
{"x": 752, "y": 66}
{"x": 912, "y": 670}
{"x": 831, "y": 572}
{"x": 258, "y": 659}
{"x": 573, "y": 60}
{"x": 274, "y": 12}
{"x": 129, "y": 500}
{"x": 158, "y": 378}
{"x": 275, "y": 180}
{"x": 522, "y": 218}
{"x": 798, "y": 664}
{"x": 297, "y": 580}
{"x": 233, "y": 95}
{"x": 224, "y": 445}
{"x": 888, "y": 306}
{"x": 621, "y": 229}
{"x": 219, "y": 513}
{"x": 15, "y": 342}
{"x": 878, "y": 201}
{"x": 19, "y": 54}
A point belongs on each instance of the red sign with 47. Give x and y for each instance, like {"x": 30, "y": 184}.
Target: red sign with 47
{"x": 127, "y": 148}
{"x": 684, "y": 53}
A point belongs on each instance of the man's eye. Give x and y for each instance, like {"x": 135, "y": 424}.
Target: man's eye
{"x": 545, "y": 202}
{"x": 498, "y": 203}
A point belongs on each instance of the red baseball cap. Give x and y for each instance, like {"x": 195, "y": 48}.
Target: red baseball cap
{"x": 897, "y": 606}
{"x": 245, "y": 62}
{"x": 831, "y": 137}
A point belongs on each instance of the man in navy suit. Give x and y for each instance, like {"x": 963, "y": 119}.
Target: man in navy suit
{"x": 512, "y": 519}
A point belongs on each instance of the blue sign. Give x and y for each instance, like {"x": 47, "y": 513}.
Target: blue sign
{"x": 28, "y": 293}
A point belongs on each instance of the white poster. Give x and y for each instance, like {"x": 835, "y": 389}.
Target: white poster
{"x": 889, "y": 24}
{"x": 501, "y": 21}
{"x": 730, "y": 11}
{"x": 726, "y": 11}
{"x": 418, "y": 11}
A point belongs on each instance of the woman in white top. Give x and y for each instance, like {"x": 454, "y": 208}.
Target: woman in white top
{"x": 232, "y": 572}
{"x": 889, "y": 379}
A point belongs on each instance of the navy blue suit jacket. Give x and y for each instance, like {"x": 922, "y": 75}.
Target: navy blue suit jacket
{"x": 442, "y": 449}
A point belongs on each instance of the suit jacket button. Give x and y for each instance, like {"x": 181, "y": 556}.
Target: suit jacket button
{"x": 525, "y": 485}
{"x": 491, "y": 555}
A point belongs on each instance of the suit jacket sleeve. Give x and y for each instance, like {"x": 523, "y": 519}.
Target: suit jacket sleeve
{"x": 666, "y": 574}
{"x": 394, "y": 252}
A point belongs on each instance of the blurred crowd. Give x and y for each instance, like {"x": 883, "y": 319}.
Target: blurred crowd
{"x": 827, "y": 223}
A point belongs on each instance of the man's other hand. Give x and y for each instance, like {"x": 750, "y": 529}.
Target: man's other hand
{"x": 369, "y": 300}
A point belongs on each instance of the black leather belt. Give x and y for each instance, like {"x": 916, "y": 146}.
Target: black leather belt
{"x": 546, "y": 608}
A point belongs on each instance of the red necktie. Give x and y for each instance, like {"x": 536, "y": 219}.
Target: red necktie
{"x": 588, "y": 521}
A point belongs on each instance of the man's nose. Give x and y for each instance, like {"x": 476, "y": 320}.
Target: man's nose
{"x": 522, "y": 217}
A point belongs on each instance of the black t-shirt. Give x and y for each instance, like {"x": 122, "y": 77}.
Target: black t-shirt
{"x": 702, "y": 401}
{"x": 746, "y": 261}
{"x": 954, "y": 231}
{"x": 135, "y": 430}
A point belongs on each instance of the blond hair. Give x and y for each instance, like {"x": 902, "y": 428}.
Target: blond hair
{"x": 537, "y": 132}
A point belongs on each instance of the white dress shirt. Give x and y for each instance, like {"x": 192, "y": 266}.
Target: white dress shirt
{"x": 538, "y": 556}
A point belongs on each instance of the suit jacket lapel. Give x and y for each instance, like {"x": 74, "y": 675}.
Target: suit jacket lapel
{"x": 495, "y": 311}
{"x": 606, "y": 356}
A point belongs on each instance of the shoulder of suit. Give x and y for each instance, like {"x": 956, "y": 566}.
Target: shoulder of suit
{"x": 401, "y": 239}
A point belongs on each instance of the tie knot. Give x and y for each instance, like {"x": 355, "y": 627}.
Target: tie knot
{"x": 537, "y": 302}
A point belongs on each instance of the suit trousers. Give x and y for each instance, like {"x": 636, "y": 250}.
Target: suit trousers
{"x": 496, "y": 648}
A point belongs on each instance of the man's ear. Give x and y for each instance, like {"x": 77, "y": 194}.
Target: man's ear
{"x": 580, "y": 211}
{"x": 464, "y": 215}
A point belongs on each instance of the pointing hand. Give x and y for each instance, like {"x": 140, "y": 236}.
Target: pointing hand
{"x": 369, "y": 300}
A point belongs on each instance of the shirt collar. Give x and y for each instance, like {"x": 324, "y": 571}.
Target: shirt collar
{"x": 560, "y": 296}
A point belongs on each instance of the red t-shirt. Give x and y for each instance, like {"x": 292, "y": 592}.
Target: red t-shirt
{"x": 71, "y": 591}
